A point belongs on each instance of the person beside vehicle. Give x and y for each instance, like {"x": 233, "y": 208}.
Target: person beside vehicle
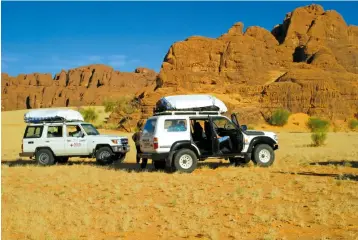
{"x": 136, "y": 138}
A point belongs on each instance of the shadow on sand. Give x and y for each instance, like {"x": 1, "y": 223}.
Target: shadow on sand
{"x": 351, "y": 177}
{"x": 352, "y": 164}
{"x": 125, "y": 166}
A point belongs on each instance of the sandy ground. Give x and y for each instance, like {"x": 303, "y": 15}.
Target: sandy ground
{"x": 309, "y": 193}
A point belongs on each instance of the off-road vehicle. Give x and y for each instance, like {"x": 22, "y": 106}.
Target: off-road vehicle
{"x": 52, "y": 140}
{"x": 179, "y": 139}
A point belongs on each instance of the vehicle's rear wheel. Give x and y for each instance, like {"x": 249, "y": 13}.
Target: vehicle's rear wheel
{"x": 62, "y": 159}
{"x": 159, "y": 164}
{"x": 104, "y": 156}
{"x": 263, "y": 155}
{"x": 185, "y": 160}
{"x": 45, "y": 157}
{"x": 238, "y": 161}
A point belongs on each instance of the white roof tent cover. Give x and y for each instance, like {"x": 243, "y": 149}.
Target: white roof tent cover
{"x": 191, "y": 102}
{"x": 52, "y": 115}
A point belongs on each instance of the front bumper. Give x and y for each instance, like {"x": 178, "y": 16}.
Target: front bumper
{"x": 120, "y": 148}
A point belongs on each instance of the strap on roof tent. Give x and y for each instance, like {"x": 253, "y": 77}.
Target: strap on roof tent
{"x": 187, "y": 113}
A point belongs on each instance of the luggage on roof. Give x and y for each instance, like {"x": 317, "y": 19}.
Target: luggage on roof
{"x": 52, "y": 115}
{"x": 191, "y": 102}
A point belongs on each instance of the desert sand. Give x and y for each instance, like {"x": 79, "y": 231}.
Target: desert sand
{"x": 309, "y": 193}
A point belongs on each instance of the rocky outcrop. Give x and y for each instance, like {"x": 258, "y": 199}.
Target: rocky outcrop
{"x": 88, "y": 85}
{"x": 308, "y": 64}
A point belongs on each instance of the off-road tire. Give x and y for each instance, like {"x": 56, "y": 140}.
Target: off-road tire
{"x": 44, "y": 157}
{"x": 238, "y": 161}
{"x": 159, "y": 165}
{"x": 104, "y": 156}
{"x": 185, "y": 161}
{"x": 263, "y": 155}
{"x": 62, "y": 159}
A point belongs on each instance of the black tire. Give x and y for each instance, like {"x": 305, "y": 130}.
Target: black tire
{"x": 185, "y": 160}
{"x": 104, "y": 156}
{"x": 238, "y": 161}
{"x": 263, "y": 155}
{"x": 45, "y": 157}
{"x": 159, "y": 164}
{"x": 62, "y": 159}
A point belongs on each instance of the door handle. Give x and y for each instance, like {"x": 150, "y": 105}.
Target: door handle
{"x": 68, "y": 140}
{"x": 31, "y": 142}
{"x": 47, "y": 141}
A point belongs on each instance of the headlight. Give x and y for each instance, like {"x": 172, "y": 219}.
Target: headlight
{"x": 115, "y": 141}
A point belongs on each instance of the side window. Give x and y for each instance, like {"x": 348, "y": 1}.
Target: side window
{"x": 73, "y": 131}
{"x": 54, "y": 131}
{"x": 33, "y": 132}
{"x": 175, "y": 125}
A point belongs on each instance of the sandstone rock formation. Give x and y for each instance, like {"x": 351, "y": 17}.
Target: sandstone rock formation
{"x": 308, "y": 64}
{"x": 88, "y": 85}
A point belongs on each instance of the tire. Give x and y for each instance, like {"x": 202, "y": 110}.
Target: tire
{"x": 238, "y": 161}
{"x": 62, "y": 159}
{"x": 104, "y": 156}
{"x": 45, "y": 157}
{"x": 159, "y": 165}
{"x": 185, "y": 160}
{"x": 263, "y": 155}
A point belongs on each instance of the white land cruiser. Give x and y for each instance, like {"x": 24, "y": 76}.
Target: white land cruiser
{"x": 53, "y": 141}
{"x": 179, "y": 139}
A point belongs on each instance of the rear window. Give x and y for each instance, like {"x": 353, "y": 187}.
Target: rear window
{"x": 33, "y": 132}
{"x": 149, "y": 126}
{"x": 175, "y": 125}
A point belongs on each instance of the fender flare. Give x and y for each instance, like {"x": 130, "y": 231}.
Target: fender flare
{"x": 180, "y": 145}
{"x": 261, "y": 140}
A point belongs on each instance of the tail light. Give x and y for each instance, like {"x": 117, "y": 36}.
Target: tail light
{"x": 155, "y": 143}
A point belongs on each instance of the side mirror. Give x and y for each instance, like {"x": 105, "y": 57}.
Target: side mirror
{"x": 243, "y": 127}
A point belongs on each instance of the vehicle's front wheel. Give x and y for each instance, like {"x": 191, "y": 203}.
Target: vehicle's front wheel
{"x": 185, "y": 160}
{"x": 104, "y": 156}
{"x": 45, "y": 157}
{"x": 159, "y": 164}
{"x": 264, "y": 155}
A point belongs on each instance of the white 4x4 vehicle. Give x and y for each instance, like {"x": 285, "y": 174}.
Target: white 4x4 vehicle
{"x": 178, "y": 140}
{"x": 50, "y": 142}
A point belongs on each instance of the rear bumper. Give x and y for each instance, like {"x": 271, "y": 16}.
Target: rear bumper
{"x": 154, "y": 156}
{"x": 26, "y": 154}
{"x": 120, "y": 149}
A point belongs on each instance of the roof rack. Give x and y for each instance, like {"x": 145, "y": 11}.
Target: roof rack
{"x": 187, "y": 113}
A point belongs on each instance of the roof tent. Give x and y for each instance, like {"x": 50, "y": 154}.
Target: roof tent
{"x": 52, "y": 115}
{"x": 191, "y": 102}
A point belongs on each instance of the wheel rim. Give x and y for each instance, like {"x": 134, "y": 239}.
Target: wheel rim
{"x": 104, "y": 155}
{"x": 185, "y": 161}
{"x": 264, "y": 155}
{"x": 44, "y": 158}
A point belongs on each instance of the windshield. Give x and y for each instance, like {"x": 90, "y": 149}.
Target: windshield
{"x": 223, "y": 123}
{"x": 90, "y": 129}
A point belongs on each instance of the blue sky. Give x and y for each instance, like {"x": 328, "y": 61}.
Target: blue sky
{"x": 50, "y": 36}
